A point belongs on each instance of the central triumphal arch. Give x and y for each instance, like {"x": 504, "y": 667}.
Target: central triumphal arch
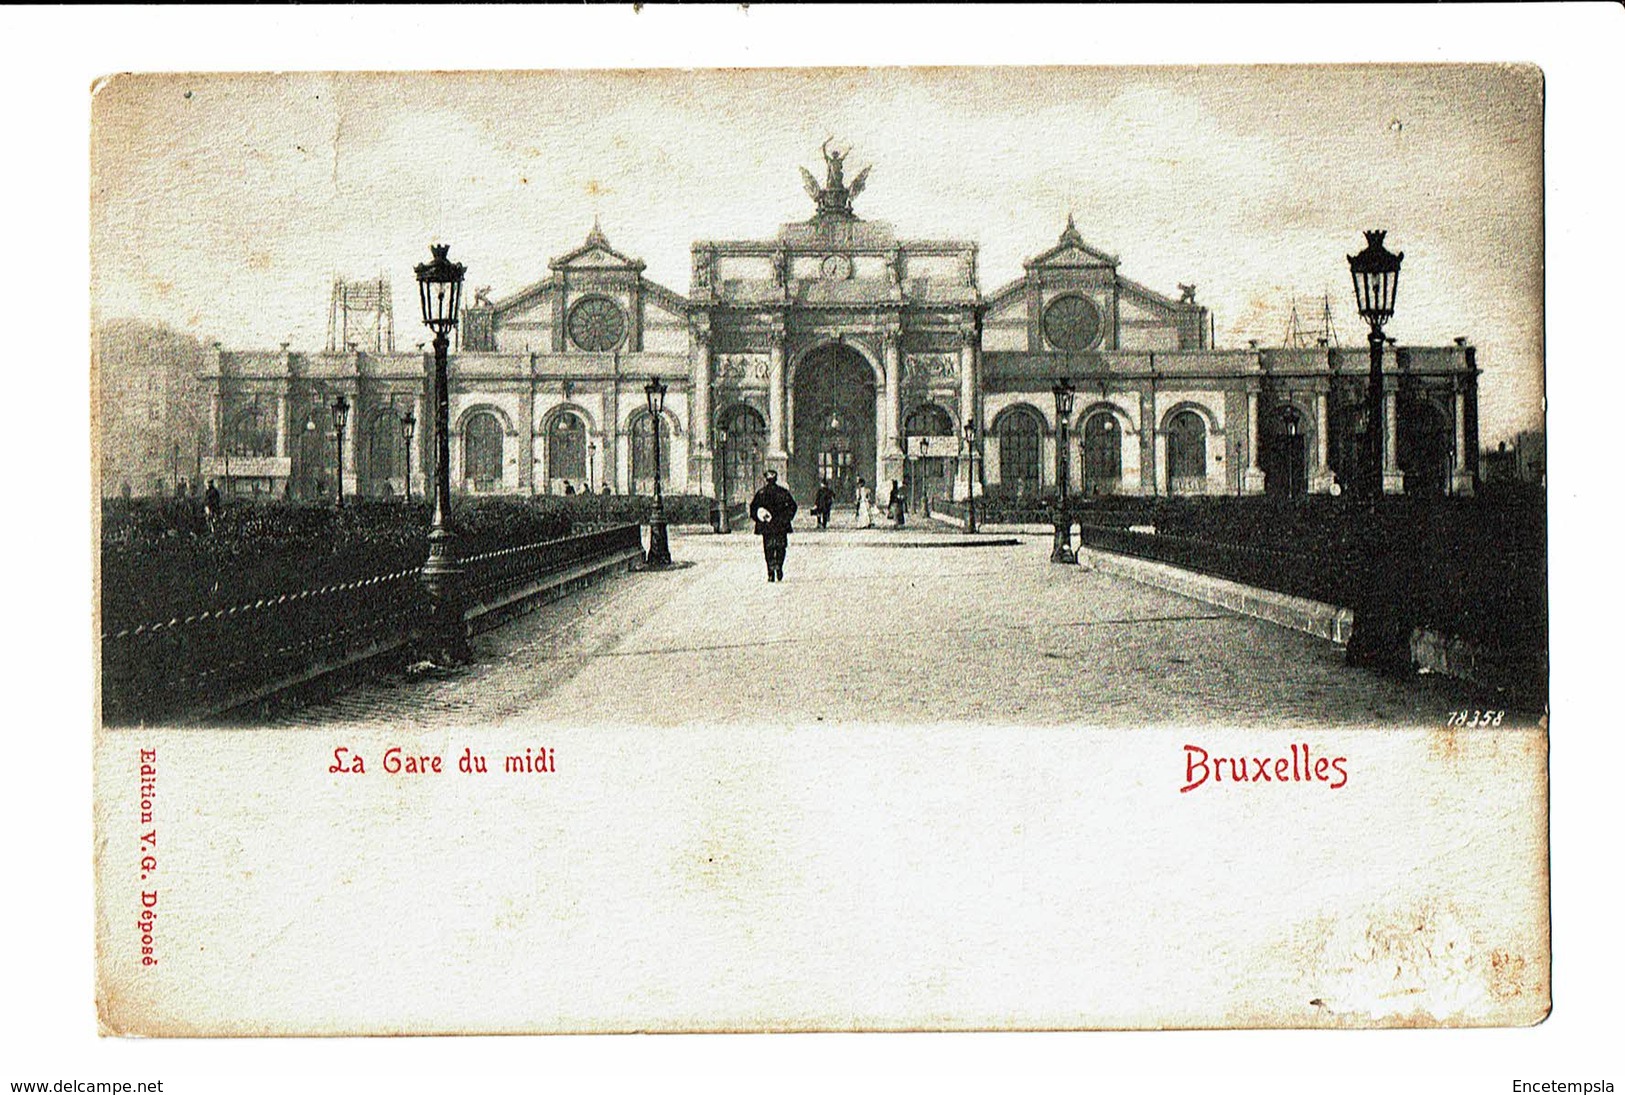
{"x": 857, "y": 350}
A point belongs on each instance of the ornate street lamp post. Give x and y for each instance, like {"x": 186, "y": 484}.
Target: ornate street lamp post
{"x": 592, "y": 466}
{"x": 1064, "y": 394}
{"x": 409, "y": 423}
{"x": 659, "y": 550}
{"x": 440, "y": 284}
{"x": 970, "y": 477}
{"x": 1381, "y": 620}
{"x": 722, "y": 487}
{"x": 920, "y": 475}
{"x": 341, "y": 415}
{"x": 1376, "y": 281}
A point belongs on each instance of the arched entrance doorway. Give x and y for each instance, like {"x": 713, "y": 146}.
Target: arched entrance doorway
{"x": 314, "y": 477}
{"x": 741, "y": 440}
{"x": 834, "y": 423}
{"x": 1426, "y": 449}
{"x": 1102, "y": 454}
{"x": 933, "y": 452}
{"x": 384, "y": 446}
{"x": 1187, "y": 454}
{"x": 1285, "y": 455}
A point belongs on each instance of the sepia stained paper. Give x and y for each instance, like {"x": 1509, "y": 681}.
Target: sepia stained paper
{"x": 906, "y": 789}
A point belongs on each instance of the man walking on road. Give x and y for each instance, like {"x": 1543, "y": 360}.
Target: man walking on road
{"x": 773, "y": 508}
{"x": 823, "y": 502}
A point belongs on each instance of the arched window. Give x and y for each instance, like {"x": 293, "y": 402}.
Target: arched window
{"x": 482, "y": 451}
{"x": 566, "y": 451}
{"x": 643, "y": 454}
{"x": 1187, "y": 454}
{"x": 1019, "y": 436}
{"x": 1102, "y": 454}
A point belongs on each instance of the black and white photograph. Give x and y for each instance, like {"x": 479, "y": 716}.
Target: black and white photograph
{"x": 1032, "y": 526}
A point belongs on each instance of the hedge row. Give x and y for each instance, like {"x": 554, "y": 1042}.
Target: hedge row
{"x": 163, "y": 559}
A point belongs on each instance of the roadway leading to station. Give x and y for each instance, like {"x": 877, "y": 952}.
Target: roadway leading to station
{"x": 889, "y": 626}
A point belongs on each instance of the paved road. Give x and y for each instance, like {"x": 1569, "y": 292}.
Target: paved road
{"x": 883, "y": 626}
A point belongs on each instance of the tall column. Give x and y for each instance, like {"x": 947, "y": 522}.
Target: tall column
{"x": 778, "y": 456}
{"x": 882, "y": 416}
{"x": 1461, "y": 479}
{"x": 1393, "y": 480}
{"x": 700, "y": 456}
{"x": 1148, "y": 442}
{"x": 281, "y": 423}
{"x": 963, "y": 483}
{"x": 215, "y": 424}
{"x": 700, "y": 369}
{"x": 1321, "y": 481}
{"x": 420, "y": 448}
{"x": 527, "y": 445}
{"x": 892, "y": 446}
{"x": 351, "y": 428}
{"x": 1252, "y": 480}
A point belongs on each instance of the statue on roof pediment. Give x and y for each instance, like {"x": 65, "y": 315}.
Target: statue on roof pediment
{"x": 834, "y": 197}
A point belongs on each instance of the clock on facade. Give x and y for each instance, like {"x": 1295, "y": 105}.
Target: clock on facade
{"x": 836, "y": 267}
{"x": 597, "y": 325}
{"x": 1072, "y": 323}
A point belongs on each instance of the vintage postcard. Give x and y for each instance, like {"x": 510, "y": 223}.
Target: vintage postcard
{"x": 820, "y": 549}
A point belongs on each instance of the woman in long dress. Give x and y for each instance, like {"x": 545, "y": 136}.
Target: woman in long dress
{"x": 866, "y": 505}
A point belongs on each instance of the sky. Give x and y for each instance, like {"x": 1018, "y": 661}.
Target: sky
{"x": 223, "y": 205}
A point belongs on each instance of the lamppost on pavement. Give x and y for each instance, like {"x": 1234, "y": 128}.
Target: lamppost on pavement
{"x": 1376, "y": 281}
{"x": 1381, "y": 618}
{"x": 440, "y": 284}
{"x": 722, "y": 487}
{"x": 592, "y": 472}
{"x": 1064, "y": 394}
{"x": 341, "y": 415}
{"x": 659, "y": 550}
{"x": 409, "y": 424}
{"x": 921, "y": 475}
{"x": 970, "y": 477}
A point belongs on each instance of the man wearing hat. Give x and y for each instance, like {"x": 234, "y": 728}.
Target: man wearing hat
{"x": 773, "y": 508}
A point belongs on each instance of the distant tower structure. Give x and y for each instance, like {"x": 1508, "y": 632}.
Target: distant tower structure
{"x": 1300, "y": 337}
{"x": 361, "y": 313}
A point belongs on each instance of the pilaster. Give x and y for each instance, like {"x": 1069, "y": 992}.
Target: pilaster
{"x": 1252, "y": 480}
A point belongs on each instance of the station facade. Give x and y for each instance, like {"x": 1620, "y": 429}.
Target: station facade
{"x": 835, "y": 350}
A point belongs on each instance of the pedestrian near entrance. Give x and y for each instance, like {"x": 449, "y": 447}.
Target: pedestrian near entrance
{"x": 895, "y": 505}
{"x": 211, "y": 503}
{"x": 865, "y": 505}
{"x": 774, "y": 509}
{"x": 823, "y": 502}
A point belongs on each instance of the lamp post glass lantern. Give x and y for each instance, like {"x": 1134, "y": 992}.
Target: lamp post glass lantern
{"x": 970, "y": 477}
{"x": 440, "y": 286}
{"x": 1064, "y": 395}
{"x": 1375, "y": 272}
{"x": 341, "y": 415}
{"x": 659, "y": 548}
{"x": 409, "y": 425}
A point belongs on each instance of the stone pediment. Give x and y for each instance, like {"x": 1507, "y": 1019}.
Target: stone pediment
{"x": 597, "y": 254}
{"x": 1071, "y": 252}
